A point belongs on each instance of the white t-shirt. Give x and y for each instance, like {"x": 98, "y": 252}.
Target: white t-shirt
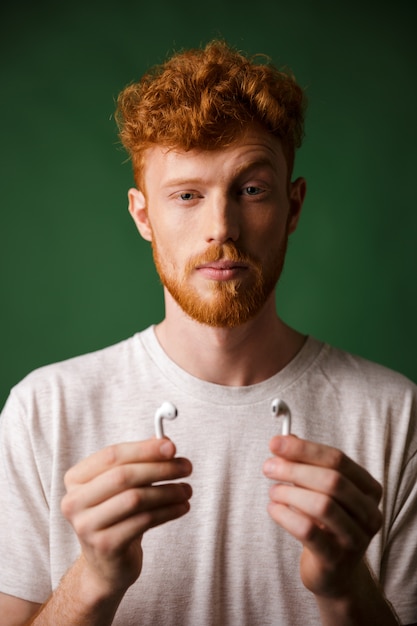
{"x": 226, "y": 562}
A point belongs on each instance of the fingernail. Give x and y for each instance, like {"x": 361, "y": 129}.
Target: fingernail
{"x": 167, "y": 449}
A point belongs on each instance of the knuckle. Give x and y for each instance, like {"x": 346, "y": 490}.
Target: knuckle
{"x": 280, "y": 469}
{"x": 103, "y": 543}
{"x": 354, "y": 541}
{"x": 119, "y": 477}
{"x": 110, "y": 455}
{"x": 375, "y": 521}
{"x": 325, "y": 507}
{"x": 286, "y": 470}
{"x": 133, "y": 499}
{"x": 82, "y": 527}
{"x": 68, "y": 506}
{"x": 167, "y": 470}
{"x": 275, "y": 492}
{"x": 307, "y": 530}
{"x": 145, "y": 521}
{"x": 69, "y": 478}
{"x": 337, "y": 458}
{"x": 163, "y": 471}
{"x": 334, "y": 483}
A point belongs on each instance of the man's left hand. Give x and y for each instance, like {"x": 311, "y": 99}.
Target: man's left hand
{"x": 330, "y": 504}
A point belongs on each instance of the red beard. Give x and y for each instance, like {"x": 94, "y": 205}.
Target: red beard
{"x": 230, "y": 303}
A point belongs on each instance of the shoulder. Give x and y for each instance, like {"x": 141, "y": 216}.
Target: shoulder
{"x": 100, "y": 368}
{"x": 82, "y": 365}
{"x": 341, "y": 366}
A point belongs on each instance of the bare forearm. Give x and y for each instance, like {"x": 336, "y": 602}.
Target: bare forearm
{"x": 363, "y": 604}
{"x": 79, "y": 602}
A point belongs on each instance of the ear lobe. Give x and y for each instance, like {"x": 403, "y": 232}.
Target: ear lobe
{"x": 138, "y": 211}
{"x": 297, "y": 195}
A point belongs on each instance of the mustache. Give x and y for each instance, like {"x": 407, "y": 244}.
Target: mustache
{"x": 227, "y": 252}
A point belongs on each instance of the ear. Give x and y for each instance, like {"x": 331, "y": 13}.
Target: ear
{"x": 138, "y": 211}
{"x": 298, "y": 190}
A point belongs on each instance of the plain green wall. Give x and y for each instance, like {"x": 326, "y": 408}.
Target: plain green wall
{"x": 75, "y": 276}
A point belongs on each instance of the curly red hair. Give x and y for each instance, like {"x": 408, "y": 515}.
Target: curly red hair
{"x": 205, "y": 98}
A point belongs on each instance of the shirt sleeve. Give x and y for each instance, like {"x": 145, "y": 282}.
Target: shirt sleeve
{"x": 24, "y": 509}
{"x": 398, "y": 567}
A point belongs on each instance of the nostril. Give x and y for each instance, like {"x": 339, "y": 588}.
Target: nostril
{"x": 223, "y": 229}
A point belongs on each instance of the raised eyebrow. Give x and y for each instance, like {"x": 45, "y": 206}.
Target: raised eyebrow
{"x": 246, "y": 168}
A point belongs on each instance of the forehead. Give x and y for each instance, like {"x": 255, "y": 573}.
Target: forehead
{"x": 255, "y": 147}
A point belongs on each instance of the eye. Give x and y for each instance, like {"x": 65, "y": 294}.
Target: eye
{"x": 251, "y": 190}
{"x": 186, "y": 195}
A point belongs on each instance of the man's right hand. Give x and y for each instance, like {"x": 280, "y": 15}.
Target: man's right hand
{"x": 113, "y": 497}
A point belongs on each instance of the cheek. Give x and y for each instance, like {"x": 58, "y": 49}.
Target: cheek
{"x": 266, "y": 231}
{"x": 167, "y": 252}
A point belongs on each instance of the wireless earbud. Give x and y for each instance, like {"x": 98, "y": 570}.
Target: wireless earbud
{"x": 281, "y": 409}
{"x": 166, "y": 411}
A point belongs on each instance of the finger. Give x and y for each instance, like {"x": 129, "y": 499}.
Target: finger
{"x": 305, "y": 530}
{"x": 329, "y": 483}
{"x": 120, "y": 454}
{"x": 122, "y": 478}
{"x": 310, "y": 453}
{"x": 118, "y": 537}
{"x": 129, "y": 504}
{"x": 327, "y": 514}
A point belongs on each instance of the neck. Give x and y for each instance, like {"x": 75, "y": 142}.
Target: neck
{"x": 245, "y": 355}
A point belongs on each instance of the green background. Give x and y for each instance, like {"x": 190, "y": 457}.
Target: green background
{"x": 75, "y": 276}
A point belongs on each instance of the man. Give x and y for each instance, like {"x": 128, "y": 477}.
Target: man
{"x": 102, "y": 522}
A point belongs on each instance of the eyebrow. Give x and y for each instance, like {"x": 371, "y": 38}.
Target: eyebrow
{"x": 249, "y": 165}
{"x": 244, "y": 167}
{"x": 184, "y": 180}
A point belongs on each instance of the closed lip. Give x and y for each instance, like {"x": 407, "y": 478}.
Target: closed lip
{"x": 223, "y": 264}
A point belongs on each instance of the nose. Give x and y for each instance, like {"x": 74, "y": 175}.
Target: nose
{"x": 222, "y": 220}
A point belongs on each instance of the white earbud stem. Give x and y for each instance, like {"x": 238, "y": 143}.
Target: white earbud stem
{"x": 281, "y": 410}
{"x": 166, "y": 411}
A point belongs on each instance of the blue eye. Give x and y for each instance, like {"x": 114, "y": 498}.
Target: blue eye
{"x": 186, "y": 196}
{"x": 252, "y": 191}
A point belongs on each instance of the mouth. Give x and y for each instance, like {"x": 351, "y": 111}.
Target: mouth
{"x": 222, "y": 269}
